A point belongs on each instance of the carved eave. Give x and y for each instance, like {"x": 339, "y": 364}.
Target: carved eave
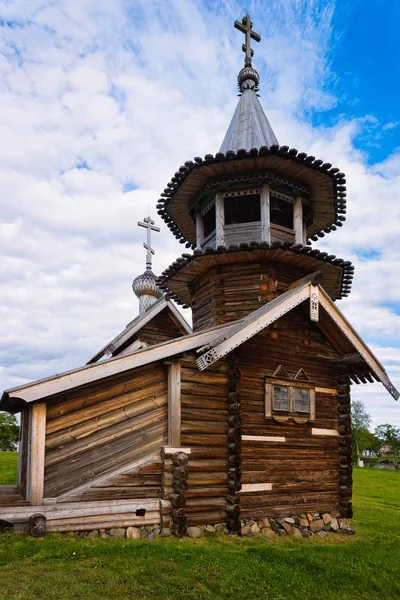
{"x": 326, "y": 184}
{"x": 338, "y": 273}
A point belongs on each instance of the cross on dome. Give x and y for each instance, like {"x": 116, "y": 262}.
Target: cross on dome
{"x": 246, "y": 27}
{"x": 148, "y": 224}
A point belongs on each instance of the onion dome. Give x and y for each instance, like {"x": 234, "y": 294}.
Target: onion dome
{"x": 145, "y": 286}
{"x": 146, "y": 289}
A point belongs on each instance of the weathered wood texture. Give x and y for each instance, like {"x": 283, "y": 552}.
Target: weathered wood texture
{"x": 204, "y": 429}
{"x": 162, "y": 328}
{"x": 304, "y": 469}
{"x": 229, "y": 292}
{"x": 95, "y": 430}
{"x": 77, "y": 516}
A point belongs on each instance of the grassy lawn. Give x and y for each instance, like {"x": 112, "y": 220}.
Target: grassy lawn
{"x": 364, "y": 566}
{"x": 8, "y": 468}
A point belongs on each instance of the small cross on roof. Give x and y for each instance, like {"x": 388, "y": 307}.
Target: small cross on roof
{"x": 148, "y": 224}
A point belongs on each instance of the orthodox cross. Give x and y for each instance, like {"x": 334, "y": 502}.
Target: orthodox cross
{"x": 246, "y": 27}
{"x": 149, "y": 225}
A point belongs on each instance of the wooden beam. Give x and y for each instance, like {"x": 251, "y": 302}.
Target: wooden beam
{"x": 170, "y": 451}
{"x": 265, "y": 214}
{"x": 219, "y": 219}
{"x": 350, "y": 358}
{"x": 199, "y": 231}
{"x": 38, "y": 433}
{"x": 316, "y": 431}
{"x": 88, "y": 374}
{"x": 256, "y": 487}
{"x": 298, "y": 220}
{"x": 174, "y": 404}
{"x": 263, "y": 438}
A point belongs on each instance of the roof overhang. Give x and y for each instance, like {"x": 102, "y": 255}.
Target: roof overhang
{"x": 326, "y": 185}
{"x": 123, "y": 338}
{"x": 217, "y": 342}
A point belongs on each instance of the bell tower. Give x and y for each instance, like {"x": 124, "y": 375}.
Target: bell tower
{"x": 249, "y": 213}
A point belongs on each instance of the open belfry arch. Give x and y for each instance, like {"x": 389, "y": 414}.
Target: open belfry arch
{"x": 247, "y": 415}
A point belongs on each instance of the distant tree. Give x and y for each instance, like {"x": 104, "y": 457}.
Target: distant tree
{"x": 360, "y": 424}
{"x": 9, "y": 432}
{"x": 390, "y": 435}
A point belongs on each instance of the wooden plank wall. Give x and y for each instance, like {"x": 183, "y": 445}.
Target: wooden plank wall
{"x": 303, "y": 470}
{"x": 97, "y": 429}
{"x": 161, "y": 328}
{"x": 204, "y": 428}
{"x": 216, "y": 298}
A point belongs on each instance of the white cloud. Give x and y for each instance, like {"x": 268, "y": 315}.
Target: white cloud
{"x": 93, "y": 98}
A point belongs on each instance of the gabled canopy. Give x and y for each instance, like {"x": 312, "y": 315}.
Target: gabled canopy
{"x": 218, "y": 342}
{"x": 127, "y": 340}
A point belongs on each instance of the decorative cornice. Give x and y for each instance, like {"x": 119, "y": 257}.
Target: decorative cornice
{"x": 338, "y": 181}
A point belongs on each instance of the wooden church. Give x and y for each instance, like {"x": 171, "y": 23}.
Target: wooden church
{"x": 242, "y": 422}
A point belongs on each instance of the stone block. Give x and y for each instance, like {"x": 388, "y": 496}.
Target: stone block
{"x": 165, "y": 532}
{"x": 264, "y": 523}
{"x": 346, "y": 531}
{"x": 327, "y": 518}
{"x": 103, "y": 533}
{"x": 344, "y": 523}
{"x": 133, "y": 533}
{"x": 334, "y": 524}
{"x": 288, "y": 528}
{"x": 209, "y": 530}
{"x": 297, "y": 532}
{"x": 150, "y": 536}
{"x": 220, "y": 528}
{"x": 194, "y": 532}
{"x": 268, "y": 533}
{"x": 93, "y": 533}
{"x": 246, "y": 530}
{"x": 290, "y": 520}
{"x": 322, "y": 533}
{"x": 254, "y": 528}
{"x": 303, "y": 522}
{"x": 317, "y": 525}
{"x": 310, "y": 517}
{"x": 117, "y": 532}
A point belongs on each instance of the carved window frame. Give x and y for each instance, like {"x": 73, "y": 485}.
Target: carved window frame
{"x": 291, "y": 384}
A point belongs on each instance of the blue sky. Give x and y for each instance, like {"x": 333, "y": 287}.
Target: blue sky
{"x": 100, "y": 103}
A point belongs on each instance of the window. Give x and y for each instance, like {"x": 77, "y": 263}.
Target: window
{"x": 289, "y": 398}
{"x": 281, "y": 213}
{"x": 209, "y": 221}
{"x": 280, "y": 397}
{"x": 242, "y": 209}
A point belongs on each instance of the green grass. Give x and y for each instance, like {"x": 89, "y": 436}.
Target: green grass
{"x": 362, "y": 567}
{"x": 8, "y": 468}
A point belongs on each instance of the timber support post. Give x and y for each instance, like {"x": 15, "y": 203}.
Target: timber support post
{"x": 37, "y": 450}
{"x": 174, "y": 404}
{"x": 234, "y": 436}
{"x": 345, "y": 453}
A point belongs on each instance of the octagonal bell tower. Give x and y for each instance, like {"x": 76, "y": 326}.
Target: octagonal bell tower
{"x": 250, "y": 213}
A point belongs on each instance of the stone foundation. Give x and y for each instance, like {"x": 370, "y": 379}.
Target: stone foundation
{"x": 305, "y": 525}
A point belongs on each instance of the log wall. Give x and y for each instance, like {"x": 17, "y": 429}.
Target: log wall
{"x": 204, "y": 429}
{"x": 96, "y": 430}
{"x": 229, "y": 292}
{"x": 303, "y": 470}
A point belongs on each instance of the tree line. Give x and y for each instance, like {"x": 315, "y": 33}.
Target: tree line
{"x": 363, "y": 439}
